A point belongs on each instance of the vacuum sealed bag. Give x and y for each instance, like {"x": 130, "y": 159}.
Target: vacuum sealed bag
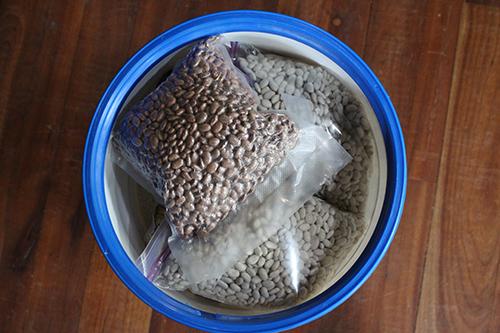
{"x": 198, "y": 139}
{"x": 229, "y": 176}
{"x": 282, "y": 270}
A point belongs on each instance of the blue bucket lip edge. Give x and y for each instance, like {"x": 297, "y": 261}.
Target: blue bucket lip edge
{"x": 304, "y": 313}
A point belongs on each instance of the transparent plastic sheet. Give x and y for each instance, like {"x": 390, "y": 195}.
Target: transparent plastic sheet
{"x": 259, "y": 220}
{"x": 118, "y": 158}
{"x": 151, "y": 260}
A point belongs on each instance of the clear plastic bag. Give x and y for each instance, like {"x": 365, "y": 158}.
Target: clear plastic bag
{"x": 284, "y": 162}
{"x": 282, "y": 269}
{"x": 198, "y": 139}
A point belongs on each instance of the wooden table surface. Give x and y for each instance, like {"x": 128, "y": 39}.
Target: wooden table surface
{"x": 439, "y": 61}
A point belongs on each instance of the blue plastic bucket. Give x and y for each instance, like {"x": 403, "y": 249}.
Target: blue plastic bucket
{"x": 135, "y": 70}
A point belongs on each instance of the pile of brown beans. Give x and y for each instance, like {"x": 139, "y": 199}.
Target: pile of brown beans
{"x": 200, "y": 140}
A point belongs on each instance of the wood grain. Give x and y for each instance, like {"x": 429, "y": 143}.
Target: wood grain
{"x": 119, "y": 312}
{"x": 461, "y": 288}
{"x": 441, "y": 273}
{"x": 56, "y": 84}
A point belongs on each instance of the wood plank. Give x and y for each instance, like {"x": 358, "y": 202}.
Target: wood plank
{"x": 461, "y": 290}
{"x": 62, "y": 70}
{"x": 485, "y": 2}
{"x": 346, "y": 20}
{"x": 11, "y": 35}
{"x": 154, "y": 17}
{"x": 108, "y": 306}
{"x": 34, "y": 106}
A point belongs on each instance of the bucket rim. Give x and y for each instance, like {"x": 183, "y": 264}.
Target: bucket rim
{"x": 149, "y": 55}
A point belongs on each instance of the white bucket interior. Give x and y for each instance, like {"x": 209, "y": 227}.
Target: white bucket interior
{"x": 130, "y": 207}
